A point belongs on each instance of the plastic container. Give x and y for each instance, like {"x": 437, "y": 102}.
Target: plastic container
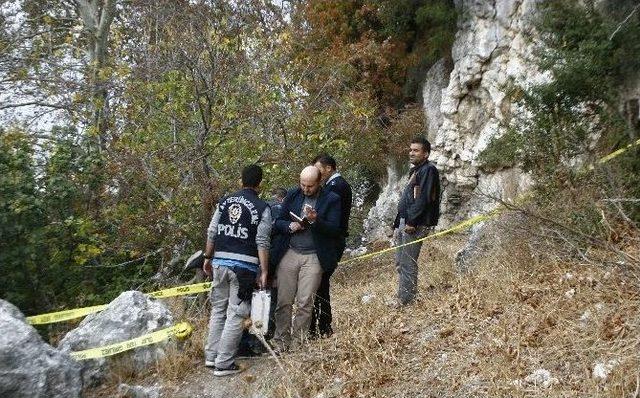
{"x": 260, "y": 304}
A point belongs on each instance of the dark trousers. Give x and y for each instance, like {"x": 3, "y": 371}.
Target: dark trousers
{"x": 321, "y": 316}
{"x": 272, "y": 314}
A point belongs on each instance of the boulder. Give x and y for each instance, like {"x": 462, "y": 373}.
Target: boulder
{"x": 130, "y": 315}
{"x": 29, "y": 367}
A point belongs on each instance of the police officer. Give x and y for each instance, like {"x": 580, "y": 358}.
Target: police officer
{"x": 237, "y": 253}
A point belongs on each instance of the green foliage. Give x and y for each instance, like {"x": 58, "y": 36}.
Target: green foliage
{"x": 502, "y": 152}
{"x": 50, "y": 225}
{"x": 573, "y": 119}
{"x": 387, "y": 44}
{"x": 21, "y": 213}
{"x": 586, "y": 61}
{"x": 560, "y": 120}
{"x": 186, "y": 95}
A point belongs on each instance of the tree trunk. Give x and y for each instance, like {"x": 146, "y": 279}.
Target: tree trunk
{"x": 97, "y": 17}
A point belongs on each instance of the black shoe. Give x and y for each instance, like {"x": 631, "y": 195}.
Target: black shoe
{"x": 231, "y": 370}
{"x": 326, "y": 332}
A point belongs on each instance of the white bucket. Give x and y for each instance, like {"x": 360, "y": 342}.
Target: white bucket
{"x": 260, "y": 304}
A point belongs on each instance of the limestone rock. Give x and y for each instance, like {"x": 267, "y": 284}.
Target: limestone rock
{"x": 601, "y": 370}
{"x": 494, "y": 48}
{"x": 541, "y": 378}
{"x": 436, "y": 80}
{"x": 29, "y": 367}
{"x": 367, "y": 298}
{"x": 377, "y": 226}
{"x": 128, "y": 391}
{"x": 130, "y": 315}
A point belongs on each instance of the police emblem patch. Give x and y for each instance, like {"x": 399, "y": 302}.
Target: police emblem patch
{"x": 235, "y": 211}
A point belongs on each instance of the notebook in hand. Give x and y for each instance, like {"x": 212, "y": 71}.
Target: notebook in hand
{"x": 302, "y": 220}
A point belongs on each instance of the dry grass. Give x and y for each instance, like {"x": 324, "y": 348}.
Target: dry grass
{"x": 479, "y": 334}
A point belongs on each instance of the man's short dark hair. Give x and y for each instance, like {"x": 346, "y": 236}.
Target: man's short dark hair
{"x": 251, "y": 176}
{"x": 280, "y": 193}
{"x": 426, "y": 145}
{"x": 325, "y": 160}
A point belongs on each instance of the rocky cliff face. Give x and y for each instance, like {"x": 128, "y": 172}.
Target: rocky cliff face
{"x": 466, "y": 106}
{"x": 493, "y": 50}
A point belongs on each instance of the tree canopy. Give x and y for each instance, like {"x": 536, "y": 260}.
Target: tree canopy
{"x": 123, "y": 122}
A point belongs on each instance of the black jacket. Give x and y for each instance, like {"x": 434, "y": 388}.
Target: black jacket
{"x": 420, "y": 200}
{"x": 325, "y": 230}
{"x": 341, "y": 187}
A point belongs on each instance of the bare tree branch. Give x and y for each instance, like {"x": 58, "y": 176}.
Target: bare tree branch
{"x": 35, "y": 103}
{"x": 624, "y": 22}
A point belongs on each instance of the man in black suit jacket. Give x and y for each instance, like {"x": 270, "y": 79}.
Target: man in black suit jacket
{"x": 303, "y": 252}
{"x": 334, "y": 182}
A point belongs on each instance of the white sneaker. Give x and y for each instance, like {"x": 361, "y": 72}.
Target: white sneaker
{"x": 209, "y": 364}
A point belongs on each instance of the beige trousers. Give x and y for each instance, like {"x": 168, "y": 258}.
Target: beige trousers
{"x": 298, "y": 276}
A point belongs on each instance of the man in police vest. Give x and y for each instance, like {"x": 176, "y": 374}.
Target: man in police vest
{"x": 237, "y": 253}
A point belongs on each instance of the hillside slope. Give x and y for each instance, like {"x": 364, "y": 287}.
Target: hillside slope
{"x": 521, "y": 322}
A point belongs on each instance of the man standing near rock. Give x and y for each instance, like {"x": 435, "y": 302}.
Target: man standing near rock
{"x": 238, "y": 241}
{"x": 418, "y": 213}
{"x": 307, "y": 248}
{"x": 334, "y": 182}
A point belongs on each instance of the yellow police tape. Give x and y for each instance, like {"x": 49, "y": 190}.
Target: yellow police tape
{"x": 463, "y": 225}
{"x": 615, "y": 154}
{"x": 206, "y": 286}
{"x": 180, "y": 330}
{"x": 181, "y": 290}
{"x": 66, "y": 315}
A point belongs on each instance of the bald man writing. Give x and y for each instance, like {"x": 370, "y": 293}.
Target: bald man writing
{"x": 305, "y": 252}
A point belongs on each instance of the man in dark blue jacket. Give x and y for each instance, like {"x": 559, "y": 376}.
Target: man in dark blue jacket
{"x": 334, "y": 182}
{"x": 306, "y": 249}
{"x": 418, "y": 213}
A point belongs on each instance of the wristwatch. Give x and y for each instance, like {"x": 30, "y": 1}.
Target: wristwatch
{"x": 207, "y": 257}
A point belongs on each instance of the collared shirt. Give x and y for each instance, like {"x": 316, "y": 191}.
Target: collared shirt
{"x": 334, "y": 175}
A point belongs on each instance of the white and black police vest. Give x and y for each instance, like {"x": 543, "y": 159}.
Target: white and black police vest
{"x": 240, "y": 214}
